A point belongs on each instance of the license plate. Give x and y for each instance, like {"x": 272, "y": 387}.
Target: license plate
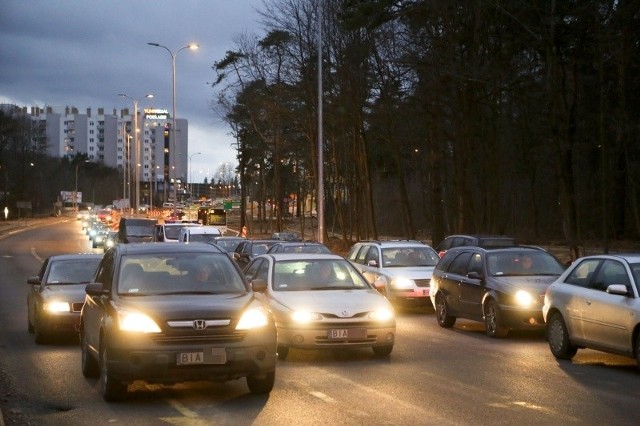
{"x": 346, "y": 333}
{"x": 425, "y": 292}
{"x": 207, "y": 356}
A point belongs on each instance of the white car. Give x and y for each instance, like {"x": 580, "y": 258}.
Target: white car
{"x": 200, "y": 234}
{"x": 320, "y": 301}
{"x": 595, "y": 304}
{"x": 402, "y": 269}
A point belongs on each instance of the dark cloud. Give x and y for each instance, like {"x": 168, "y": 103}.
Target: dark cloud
{"x": 84, "y": 52}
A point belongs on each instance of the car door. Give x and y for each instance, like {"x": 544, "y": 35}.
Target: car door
{"x": 94, "y": 306}
{"x": 472, "y": 285}
{"x": 451, "y": 282}
{"x": 367, "y": 255}
{"x": 607, "y": 317}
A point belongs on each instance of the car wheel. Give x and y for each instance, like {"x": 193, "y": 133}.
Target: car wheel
{"x": 263, "y": 384}
{"x": 283, "y": 351}
{"x": 111, "y": 389}
{"x": 442, "y": 312}
{"x": 492, "y": 320}
{"x": 90, "y": 367}
{"x": 382, "y": 351}
{"x": 558, "y": 337}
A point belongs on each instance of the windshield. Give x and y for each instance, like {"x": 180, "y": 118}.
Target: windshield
{"x": 72, "y": 271}
{"x": 409, "y": 256}
{"x": 523, "y": 263}
{"x": 304, "y": 275}
{"x": 179, "y": 273}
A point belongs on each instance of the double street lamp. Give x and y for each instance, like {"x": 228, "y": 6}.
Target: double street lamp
{"x": 136, "y": 144}
{"x": 173, "y": 54}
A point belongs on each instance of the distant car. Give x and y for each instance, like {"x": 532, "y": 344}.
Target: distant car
{"x": 595, "y": 304}
{"x": 286, "y": 236}
{"x": 298, "y": 247}
{"x": 502, "y": 287}
{"x": 136, "y": 230}
{"x": 110, "y": 240}
{"x": 105, "y": 215}
{"x": 199, "y": 234}
{"x": 320, "y": 301}
{"x": 249, "y": 249}
{"x": 229, "y": 243}
{"x": 168, "y": 313}
{"x": 56, "y": 294}
{"x": 401, "y": 269}
{"x": 485, "y": 241}
{"x": 169, "y": 231}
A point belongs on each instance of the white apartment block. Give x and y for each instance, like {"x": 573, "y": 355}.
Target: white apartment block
{"x": 108, "y": 138}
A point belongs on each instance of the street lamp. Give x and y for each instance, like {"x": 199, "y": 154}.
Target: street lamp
{"x": 173, "y": 54}
{"x": 190, "y": 174}
{"x": 75, "y": 192}
{"x": 136, "y": 144}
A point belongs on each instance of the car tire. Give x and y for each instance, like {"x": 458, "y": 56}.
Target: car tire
{"x": 111, "y": 389}
{"x": 283, "y": 351}
{"x": 492, "y": 320}
{"x": 442, "y": 312}
{"x": 382, "y": 351}
{"x": 90, "y": 367}
{"x": 558, "y": 338}
{"x": 261, "y": 385}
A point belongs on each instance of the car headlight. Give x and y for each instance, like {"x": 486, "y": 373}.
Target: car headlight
{"x": 253, "y": 318}
{"x": 305, "y": 316}
{"x": 137, "y": 322}
{"x": 402, "y": 283}
{"x": 57, "y": 307}
{"x": 99, "y": 238}
{"x": 381, "y": 315}
{"x": 523, "y": 298}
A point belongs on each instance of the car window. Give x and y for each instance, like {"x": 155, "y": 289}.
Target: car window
{"x": 611, "y": 272}
{"x": 476, "y": 263}
{"x": 316, "y": 275}
{"x": 523, "y": 262}
{"x": 460, "y": 263}
{"x": 105, "y": 270}
{"x": 252, "y": 270}
{"x": 372, "y": 254}
{"x": 361, "y": 254}
{"x": 582, "y": 274}
{"x": 72, "y": 271}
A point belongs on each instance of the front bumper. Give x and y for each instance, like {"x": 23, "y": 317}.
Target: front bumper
{"x": 522, "y": 318}
{"x": 319, "y": 337}
{"x": 157, "y": 363}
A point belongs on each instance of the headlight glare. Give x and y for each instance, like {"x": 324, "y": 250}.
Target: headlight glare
{"x": 137, "y": 322}
{"x": 523, "y": 298}
{"x": 402, "y": 283}
{"x": 381, "y": 315}
{"x": 253, "y": 318}
{"x": 305, "y": 316}
{"x": 57, "y": 307}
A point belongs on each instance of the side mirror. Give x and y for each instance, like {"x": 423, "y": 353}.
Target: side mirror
{"x": 372, "y": 263}
{"x": 619, "y": 289}
{"x": 35, "y": 280}
{"x": 95, "y": 289}
{"x": 259, "y": 285}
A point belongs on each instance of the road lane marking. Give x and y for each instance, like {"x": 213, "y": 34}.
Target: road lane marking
{"x": 35, "y": 254}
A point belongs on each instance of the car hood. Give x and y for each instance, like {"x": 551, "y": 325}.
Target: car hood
{"x": 67, "y": 292}
{"x": 412, "y": 272}
{"x": 535, "y": 283}
{"x": 342, "y": 303}
{"x": 189, "y": 306}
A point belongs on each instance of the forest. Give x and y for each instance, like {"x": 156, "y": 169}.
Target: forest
{"x": 439, "y": 117}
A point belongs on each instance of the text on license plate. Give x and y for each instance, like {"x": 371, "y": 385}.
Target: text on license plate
{"x": 206, "y": 356}
{"x": 347, "y": 333}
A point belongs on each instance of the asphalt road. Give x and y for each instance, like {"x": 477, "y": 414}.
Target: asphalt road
{"x": 434, "y": 376}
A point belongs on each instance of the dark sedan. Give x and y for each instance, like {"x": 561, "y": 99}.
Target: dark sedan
{"x": 56, "y": 294}
{"x": 168, "y": 313}
{"x": 502, "y": 287}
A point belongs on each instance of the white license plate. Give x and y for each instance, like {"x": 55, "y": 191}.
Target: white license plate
{"x": 346, "y": 333}
{"x": 207, "y": 356}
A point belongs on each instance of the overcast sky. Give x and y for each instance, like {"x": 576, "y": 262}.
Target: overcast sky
{"x": 83, "y": 53}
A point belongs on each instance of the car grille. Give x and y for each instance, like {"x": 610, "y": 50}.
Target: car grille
{"x": 422, "y": 283}
{"x": 76, "y": 307}
{"x": 216, "y": 331}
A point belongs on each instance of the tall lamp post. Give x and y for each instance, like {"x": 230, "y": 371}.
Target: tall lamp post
{"x": 173, "y": 154}
{"x": 190, "y": 174}
{"x": 75, "y": 192}
{"x": 136, "y": 144}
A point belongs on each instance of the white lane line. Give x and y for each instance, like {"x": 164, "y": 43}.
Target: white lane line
{"x": 35, "y": 254}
